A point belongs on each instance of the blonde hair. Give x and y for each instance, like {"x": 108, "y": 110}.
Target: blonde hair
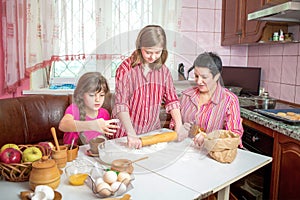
{"x": 91, "y": 82}
{"x": 150, "y": 36}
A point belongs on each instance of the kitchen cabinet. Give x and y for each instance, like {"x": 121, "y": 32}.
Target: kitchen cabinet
{"x": 285, "y": 174}
{"x": 231, "y": 23}
{"x": 236, "y": 29}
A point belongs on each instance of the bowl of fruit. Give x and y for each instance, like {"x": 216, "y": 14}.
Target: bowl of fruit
{"x": 16, "y": 160}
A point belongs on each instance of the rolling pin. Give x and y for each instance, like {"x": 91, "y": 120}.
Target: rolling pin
{"x": 158, "y": 138}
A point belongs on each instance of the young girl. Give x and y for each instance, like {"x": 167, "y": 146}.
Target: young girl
{"x": 85, "y": 118}
{"x": 143, "y": 82}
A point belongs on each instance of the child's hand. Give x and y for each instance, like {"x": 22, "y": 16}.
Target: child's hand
{"x": 134, "y": 142}
{"x": 108, "y": 127}
{"x": 182, "y": 131}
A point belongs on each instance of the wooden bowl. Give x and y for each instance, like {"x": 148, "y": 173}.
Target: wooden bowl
{"x": 122, "y": 165}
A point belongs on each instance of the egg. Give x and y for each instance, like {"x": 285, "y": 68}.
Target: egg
{"x": 118, "y": 187}
{"x": 46, "y": 189}
{"x": 124, "y": 177}
{"x": 104, "y": 189}
{"x": 99, "y": 180}
{"x": 110, "y": 177}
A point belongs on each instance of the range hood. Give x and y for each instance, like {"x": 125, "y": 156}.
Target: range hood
{"x": 285, "y": 12}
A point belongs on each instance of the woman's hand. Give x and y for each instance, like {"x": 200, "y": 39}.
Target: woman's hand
{"x": 108, "y": 127}
{"x": 134, "y": 142}
{"x": 199, "y": 139}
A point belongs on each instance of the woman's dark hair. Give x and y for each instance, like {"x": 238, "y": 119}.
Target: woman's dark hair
{"x": 209, "y": 60}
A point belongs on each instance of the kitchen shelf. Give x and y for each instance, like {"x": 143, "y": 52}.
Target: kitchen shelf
{"x": 278, "y": 42}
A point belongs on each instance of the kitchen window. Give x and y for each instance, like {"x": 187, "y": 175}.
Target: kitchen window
{"x": 97, "y": 54}
{"x": 119, "y": 33}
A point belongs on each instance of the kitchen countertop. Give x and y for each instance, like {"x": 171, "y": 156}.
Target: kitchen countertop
{"x": 292, "y": 131}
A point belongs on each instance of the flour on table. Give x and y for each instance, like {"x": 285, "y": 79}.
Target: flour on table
{"x": 144, "y": 150}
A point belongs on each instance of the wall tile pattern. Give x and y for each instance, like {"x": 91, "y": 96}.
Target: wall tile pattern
{"x": 280, "y": 63}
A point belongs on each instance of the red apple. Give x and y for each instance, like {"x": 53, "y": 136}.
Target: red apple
{"x": 47, "y": 147}
{"x": 10, "y": 155}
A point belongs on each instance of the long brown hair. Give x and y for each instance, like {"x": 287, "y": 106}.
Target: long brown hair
{"x": 150, "y": 36}
{"x": 91, "y": 82}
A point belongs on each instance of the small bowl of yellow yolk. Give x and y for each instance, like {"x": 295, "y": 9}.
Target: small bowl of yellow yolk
{"x": 77, "y": 174}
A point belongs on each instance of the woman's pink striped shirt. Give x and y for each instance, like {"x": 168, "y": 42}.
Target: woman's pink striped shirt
{"x": 221, "y": 112}
{"x": 142, "y": 96}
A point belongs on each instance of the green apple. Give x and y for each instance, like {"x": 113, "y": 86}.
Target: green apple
{"x": 32, "y": 154}
{"x": 10, "y": 145}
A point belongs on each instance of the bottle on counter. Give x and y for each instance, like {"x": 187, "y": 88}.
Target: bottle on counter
{"x": 281, "y": 35}
{"x": 275, "y": 36}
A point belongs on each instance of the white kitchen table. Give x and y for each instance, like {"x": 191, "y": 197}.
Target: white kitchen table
{"x": 189, "y": 177}
{"x": 205, "y": 176}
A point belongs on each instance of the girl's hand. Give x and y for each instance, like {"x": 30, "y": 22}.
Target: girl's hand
{"x": 182, "y": 131}
{"x": 134, "y": 142}
{"x": 108, "y": 127}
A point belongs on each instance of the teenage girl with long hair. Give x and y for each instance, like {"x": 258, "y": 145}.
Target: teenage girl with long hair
{"x": 143, "y": 83}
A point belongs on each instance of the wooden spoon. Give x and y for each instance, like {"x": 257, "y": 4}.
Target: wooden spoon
{"x": 55, "y": 138}
{"x": 143, "y": 158}
{"x": 126, "y": 162}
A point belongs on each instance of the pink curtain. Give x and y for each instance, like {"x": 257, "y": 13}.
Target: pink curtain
{"x": 13, "y": 43}
{"x": 37, "y": 32}
{"x": 33, "y": 31}
{"x": 1, "y": 56}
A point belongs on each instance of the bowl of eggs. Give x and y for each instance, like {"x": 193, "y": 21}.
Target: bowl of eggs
{"x": 111, "y": 183}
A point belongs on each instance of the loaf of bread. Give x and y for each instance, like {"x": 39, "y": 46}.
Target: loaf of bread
{"x": 158, "y": 138}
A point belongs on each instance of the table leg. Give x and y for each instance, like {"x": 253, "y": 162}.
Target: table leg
{"x": 224, "y": 193}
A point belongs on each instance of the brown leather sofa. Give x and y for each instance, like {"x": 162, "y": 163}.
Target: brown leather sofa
{"x": 28, "y": 119}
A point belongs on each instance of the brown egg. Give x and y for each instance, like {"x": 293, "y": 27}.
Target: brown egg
{"x": 110, "y": 177}
{"x": 118, "y": 187}
{"x": 104, "y": 189}
{"x": 124, "y": 177}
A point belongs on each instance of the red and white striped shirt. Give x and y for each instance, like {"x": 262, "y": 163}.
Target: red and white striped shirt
{"x": 142, "y": 96}
{"x": 221, "y": 112}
